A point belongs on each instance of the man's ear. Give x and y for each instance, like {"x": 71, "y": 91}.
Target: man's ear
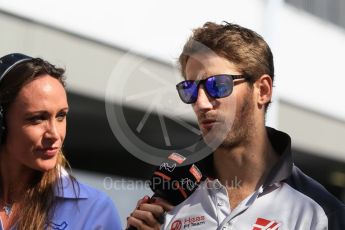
{"x": 263, "y": 87}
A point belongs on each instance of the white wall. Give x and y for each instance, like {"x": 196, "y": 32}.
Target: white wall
{"x": 308, "y": 51}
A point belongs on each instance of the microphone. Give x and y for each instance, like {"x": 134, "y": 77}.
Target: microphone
{"x": 173, "y": 181}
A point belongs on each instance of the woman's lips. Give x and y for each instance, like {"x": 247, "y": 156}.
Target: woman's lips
{"x": 50, "y": 151}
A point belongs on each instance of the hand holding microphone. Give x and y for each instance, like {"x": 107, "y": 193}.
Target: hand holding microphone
{"x": 170, "y": 182}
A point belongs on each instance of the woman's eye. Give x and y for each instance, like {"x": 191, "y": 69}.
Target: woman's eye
{"x": 36, "y": 119}
{"x": 61, "y": 116}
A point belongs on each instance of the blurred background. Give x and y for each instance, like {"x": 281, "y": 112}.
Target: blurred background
{"x": 121, "y": 56}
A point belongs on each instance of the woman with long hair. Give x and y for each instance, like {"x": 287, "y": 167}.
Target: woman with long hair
{"x": 36, "y": 190}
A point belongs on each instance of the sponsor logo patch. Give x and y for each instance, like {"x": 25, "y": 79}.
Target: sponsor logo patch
{"x": 188, "y": 222}
{"x": 176, "y": 225}
{"x": 56, "y": 226}
{"x": 262, "y": 223}
{"x": 195, "y": 172}
{"x": 177, "y": 157}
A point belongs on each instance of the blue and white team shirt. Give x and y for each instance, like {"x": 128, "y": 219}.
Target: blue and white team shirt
{"x": 83, "y": 208}
{"x": 288, "y": 200}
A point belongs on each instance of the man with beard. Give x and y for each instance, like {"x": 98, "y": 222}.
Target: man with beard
{"x": 252, "y": 182}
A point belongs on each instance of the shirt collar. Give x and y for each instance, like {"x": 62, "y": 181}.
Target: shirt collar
{"x": 281, "y": 143}
{"x": 69, "y": 188}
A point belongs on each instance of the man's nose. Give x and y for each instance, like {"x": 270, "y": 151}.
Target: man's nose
{"x": 204, "y": 101}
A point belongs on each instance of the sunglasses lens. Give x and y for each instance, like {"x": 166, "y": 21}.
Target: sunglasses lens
{"x": 219, "y": 86}
{"x": 188, "y": 91}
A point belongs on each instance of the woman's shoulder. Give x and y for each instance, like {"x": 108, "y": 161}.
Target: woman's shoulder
{"x": 71, "y": 188}
{"x": 91, "y": 192}
{"x": 77, "y": 200}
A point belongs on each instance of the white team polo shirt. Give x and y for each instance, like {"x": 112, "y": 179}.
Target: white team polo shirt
{"x": 287, "y": 200}
{"x": 282, "y": 208}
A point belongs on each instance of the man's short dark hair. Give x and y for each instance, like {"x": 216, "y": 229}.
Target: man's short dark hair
{"x": 243, "y": 47}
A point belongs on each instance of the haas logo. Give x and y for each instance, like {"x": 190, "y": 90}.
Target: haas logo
{"x": 166, "y": 166}
{"x": 176, "y": 225}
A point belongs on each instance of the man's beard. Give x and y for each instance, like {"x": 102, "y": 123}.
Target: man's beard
{"x": 236, "y": 130}
{"x": 243, "y": 127}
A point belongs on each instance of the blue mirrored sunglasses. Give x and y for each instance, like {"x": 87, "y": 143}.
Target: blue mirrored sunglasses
{"x": 217, "y": 86}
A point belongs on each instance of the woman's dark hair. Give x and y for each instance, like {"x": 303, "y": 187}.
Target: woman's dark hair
{"x": 24, "y": 73}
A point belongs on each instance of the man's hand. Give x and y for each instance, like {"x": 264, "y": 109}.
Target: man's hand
{"x": 149, "y": 213}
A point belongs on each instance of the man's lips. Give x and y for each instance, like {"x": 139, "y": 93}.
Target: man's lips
{"x": 207, "y": 123}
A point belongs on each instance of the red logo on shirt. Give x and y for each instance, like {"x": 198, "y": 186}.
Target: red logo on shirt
{"x": 261, "y": 224}
{"x": 188, "y": 222}
{"x": 176, "y": 225}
